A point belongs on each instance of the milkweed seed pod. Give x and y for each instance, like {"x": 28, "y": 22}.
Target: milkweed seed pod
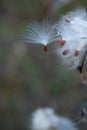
{"x": 73, "y": 29}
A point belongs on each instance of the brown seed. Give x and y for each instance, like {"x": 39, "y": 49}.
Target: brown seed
{"x": 61, "y": 42}
{"x": 45, "y": 48}
{"x": 66, "y": 52}
{"x": 76, "y": 53}
{"x": 67, "y": 20}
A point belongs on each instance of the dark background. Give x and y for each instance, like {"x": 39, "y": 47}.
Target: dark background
{"x": 29, "y": 77}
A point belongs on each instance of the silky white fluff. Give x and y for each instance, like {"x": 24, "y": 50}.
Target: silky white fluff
{"x": 40, "y": 32}
{"x": 46, "y": 119}
{"x": 73, "y": 29}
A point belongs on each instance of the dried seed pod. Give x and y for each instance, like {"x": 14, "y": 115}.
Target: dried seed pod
{"x": 83, "y": 74}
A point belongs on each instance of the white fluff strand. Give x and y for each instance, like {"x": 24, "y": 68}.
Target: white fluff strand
{"x": 46, "y": 119}
{"x": 41, "y": 33}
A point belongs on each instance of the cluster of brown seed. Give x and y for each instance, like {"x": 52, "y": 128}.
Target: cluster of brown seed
{"x": 61, "y": 43}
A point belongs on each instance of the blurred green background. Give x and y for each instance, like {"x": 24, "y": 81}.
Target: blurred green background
{"x": 29, "y": 77}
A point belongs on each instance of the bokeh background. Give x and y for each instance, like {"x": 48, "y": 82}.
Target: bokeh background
{"x": 29, "y": 77}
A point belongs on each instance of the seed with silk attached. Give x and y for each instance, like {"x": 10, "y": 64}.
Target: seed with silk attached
{"x": 41, "y": 33}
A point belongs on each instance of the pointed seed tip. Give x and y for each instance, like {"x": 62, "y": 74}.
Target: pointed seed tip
{"x": 45, "y": 49}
